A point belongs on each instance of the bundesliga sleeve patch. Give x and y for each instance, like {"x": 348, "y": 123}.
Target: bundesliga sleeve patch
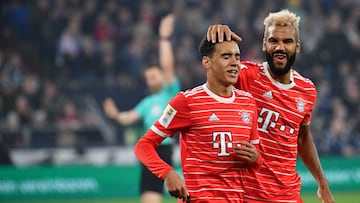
{"x": 167, "y": 116}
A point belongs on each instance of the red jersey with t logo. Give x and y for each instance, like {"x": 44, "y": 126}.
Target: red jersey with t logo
{"x": 282, "y": 109}
{"x": 210, "y": 126}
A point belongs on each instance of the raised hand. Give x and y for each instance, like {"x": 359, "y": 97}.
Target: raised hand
{"x": 166, "y": 27}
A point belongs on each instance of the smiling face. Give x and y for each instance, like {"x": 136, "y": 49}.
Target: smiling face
{"x": 280, "y": 46}
{"x": 223, "y": 66}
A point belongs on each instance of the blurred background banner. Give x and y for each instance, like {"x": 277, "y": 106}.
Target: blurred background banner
{"x": 343, "y": 174}
{"x": 116, "y": 182}
{"x": 69, "y": 182}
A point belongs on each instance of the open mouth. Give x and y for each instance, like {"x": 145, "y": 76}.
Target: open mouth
{"x": 280, "y": 58}
{"x": 233, "y": 73}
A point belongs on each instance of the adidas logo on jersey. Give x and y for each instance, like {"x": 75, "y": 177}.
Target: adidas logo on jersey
{"x": 213, "y": 117}
{"x": 268, "y": 94}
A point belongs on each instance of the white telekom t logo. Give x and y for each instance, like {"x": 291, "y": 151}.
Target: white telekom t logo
{"x": 267, "y": 122}
{"x": 223, "y": 144}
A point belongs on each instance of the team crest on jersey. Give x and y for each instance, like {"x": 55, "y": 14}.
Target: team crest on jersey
{"x": 245, "y": 117}
{"x": 300, "y": 105}
{"x": 167, "y": 116}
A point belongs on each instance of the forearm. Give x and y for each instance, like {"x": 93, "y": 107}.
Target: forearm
{"x": 126, "y": 117}
{"x": 167, "y": 62}
{"x": 308, "y": 154}
{"x": 146, "y": 153}
{"x": 166, "y": 54}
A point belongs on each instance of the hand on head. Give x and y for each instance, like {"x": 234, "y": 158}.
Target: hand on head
{"x": 223, "y": 32}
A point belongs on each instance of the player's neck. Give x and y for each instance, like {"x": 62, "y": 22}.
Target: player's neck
{"x": 284, "y": 79}
{"x": 223, "y": 91}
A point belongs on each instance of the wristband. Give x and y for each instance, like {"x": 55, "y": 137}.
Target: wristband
{"x": 164, "y": 38}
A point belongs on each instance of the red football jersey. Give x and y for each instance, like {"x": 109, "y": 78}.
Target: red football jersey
{"x": 210, "y": 126}
{"x": 282, "y": 109}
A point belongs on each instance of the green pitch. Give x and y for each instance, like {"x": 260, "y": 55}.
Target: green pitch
{"x": 341, "y": 197}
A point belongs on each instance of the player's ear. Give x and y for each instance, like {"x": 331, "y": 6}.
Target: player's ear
{"x": 297, "y": 48}
{"x": 264, "y": 45}
{"x": 206, "y": 62}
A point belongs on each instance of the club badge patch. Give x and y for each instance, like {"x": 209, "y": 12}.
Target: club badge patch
{"x": 245, "y": 117}
{"x": 300, "y": 105}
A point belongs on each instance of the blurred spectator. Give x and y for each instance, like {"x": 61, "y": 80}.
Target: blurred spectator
{"x": 8, "y": 96}
{"x": 24, "y": 111}
{"x": 337, "y": 139}
{"x": 14, "y": 70}
{"x": 88, "y": 61}
{"x": 2, "y": 60}
{"x": 19, "y": 122}
{"x": 90, "y": 132}
{"x": 124, "y": 24}
{"x": 324, "y": 98}
{"x": 334, "y": 38}
{"x": 18, "y": 18}
{"x": 5, "y": 158}
{"x": 31, "y": 90}
{"x": 69, "y": 47}
{"x": 352, "y": 94}
{"x": 89, "y": 16}
{"x": 70, "y": 118}
{"x": 108, "y": 69}
{"x": 52, "y": 102}
{"x": 68, "y": 124}
{"x": 355, "y": 138}
{"x": 104, "y": 28}
{"x": 69, "y": 44}
{"x": 66, "y": 138}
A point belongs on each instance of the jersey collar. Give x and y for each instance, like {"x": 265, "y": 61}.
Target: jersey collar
{"x": 217, "y": 97}
{"x": 278, "y": 84}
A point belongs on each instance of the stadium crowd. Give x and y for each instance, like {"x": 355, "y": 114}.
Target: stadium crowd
{"x": 60, "y": 58}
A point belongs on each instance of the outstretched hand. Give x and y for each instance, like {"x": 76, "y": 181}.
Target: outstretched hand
{"x": 110, "y": 108}
{"x": 223, "y": 32}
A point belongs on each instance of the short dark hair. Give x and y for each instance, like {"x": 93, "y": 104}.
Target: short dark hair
{"x": 207, "y": 48}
